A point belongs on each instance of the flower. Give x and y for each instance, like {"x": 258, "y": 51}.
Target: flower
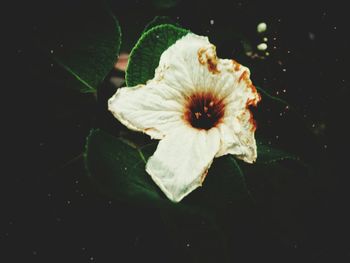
{"x": 197, "y": 105}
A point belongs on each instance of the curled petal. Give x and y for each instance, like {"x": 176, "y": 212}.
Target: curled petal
{"x": 240, "y": 143}
{"x": 239, "y": 119}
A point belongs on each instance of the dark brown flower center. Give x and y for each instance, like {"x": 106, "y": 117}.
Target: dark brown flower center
{"x": 204, "y": 110}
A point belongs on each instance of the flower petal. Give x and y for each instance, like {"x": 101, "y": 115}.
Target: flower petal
{"x": 154, "y": 109}
{"x": 191, "y": 64}
{"x": 240, "y": 143}
{"x": 238, "y": 126}
{"x": 181, "y": 65}
{"x": 182, "y": 160}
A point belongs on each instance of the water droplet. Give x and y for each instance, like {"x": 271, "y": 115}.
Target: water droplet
{"x": 262, "y": 46}
{"x": 261, "y": 27}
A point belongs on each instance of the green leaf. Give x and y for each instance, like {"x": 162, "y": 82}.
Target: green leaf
{"x": 118, "y": 170}
{"x": 267, "y": 154}
{"x": 144, "y": 57}
{"x": 224, "y": 183}
{"x": 87, "y": 48}
{"x": 159, "y": 20}
{"x": 224, "y": 186}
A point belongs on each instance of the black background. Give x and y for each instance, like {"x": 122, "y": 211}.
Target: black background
{"x": 52, "y": 213}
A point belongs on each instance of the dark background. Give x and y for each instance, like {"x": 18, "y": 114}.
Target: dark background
{"x": 52, "y": 213}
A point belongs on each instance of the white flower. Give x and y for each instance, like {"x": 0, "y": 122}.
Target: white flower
{"x": 197, "y": 106}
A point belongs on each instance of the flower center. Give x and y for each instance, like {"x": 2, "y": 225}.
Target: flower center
{"x": 204, "y": 110}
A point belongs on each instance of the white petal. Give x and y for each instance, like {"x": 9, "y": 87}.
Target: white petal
{"x": 182, "y": 160}
{"x": 191, "y": 64}
{"x": 154, "y": 109}
{"x": 237, "y": 140}
{"x": 180, "y": 65}
{"x": 238, "y": 127}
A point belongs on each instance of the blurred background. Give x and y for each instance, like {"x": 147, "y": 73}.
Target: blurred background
{"x": 52, "y": 213}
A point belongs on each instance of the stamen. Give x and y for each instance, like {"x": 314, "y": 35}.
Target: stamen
{"x": 204, "y": 110}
